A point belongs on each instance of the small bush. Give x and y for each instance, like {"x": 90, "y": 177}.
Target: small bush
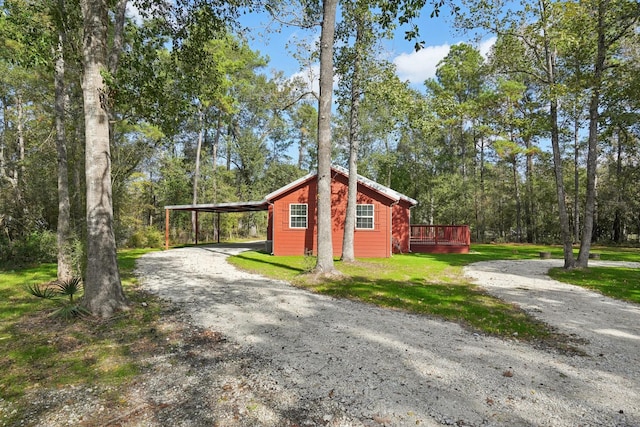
{"x": 148, "y": 237}
{"x": 37, "y": 247}
{"x": 309, "y": 261}
{"x": 65, "y": 294}
{"x": 136, "y": 240}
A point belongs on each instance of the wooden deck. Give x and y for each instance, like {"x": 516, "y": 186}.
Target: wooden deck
{"x": 440, "y": 239}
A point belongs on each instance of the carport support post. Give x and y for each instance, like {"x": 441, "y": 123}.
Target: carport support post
{"x": 218, "y": 227}
{"x": 197, "y": 229}
{"x": 166, "y": 229}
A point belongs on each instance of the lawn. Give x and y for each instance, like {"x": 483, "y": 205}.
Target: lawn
{"x": 429, "y": 284}
{"x": 41, "y": 351}
{"x": 38, "y": 351}
{"x": 620, "y": 282}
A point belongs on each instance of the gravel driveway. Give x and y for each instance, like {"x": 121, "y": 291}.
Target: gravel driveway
{"x": 385, "y": 367}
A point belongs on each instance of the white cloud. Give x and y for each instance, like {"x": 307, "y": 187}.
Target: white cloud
{"x": 310, "y": 76}
{"x": 485, "y": 46}
{"x": 421, "y": 65}
{"x": 133, "y": 13}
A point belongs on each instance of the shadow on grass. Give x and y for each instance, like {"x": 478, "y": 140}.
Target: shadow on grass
{"x": 493, "y": 252}
{"x": 38, "y": 348}
{"x": 269, "y": 261}
{"x": 461, "y": 303}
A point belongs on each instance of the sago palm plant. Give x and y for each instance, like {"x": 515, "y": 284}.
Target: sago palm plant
{"x": 65, "y": 293}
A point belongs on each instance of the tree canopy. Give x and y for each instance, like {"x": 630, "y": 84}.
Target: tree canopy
{"x": 539, "y": 141}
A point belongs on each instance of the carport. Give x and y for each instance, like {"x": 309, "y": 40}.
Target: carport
{"x": 217, "y": 208}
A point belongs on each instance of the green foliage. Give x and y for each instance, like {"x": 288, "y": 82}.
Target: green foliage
{"x": 70, "y": 312}
{"x": 309, "y": 262}
{"x": 44, "y": 350}
{"x": 44, "y": 292}
{"x": 71, "y": 288}
{"x": 36, "y": 247}
{"x": 148, "y": 237}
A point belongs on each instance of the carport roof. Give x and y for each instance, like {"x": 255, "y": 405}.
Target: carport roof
{"x": 262, "y": 205}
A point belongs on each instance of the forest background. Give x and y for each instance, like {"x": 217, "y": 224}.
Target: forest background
{"x": 196, "y": 116}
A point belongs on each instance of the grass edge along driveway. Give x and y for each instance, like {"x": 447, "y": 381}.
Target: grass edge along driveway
{"x": 433, "y": 285}
{"x": 40, "y": 352}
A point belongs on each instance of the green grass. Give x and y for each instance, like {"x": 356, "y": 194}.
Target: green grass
{"x": 621, "y": 283}
{"x": 40, "y": 351}
{"x": 489, "y": 252}
{"x": 428, "y": 284}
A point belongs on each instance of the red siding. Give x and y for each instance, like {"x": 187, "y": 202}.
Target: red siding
{"x": 295, "y": 241}
{"x": 400, "y": 226}
{"x": 367, "y": 243}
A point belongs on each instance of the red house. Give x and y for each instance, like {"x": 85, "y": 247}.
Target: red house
{"x": 383, "y": 225}
{"x": 382, "y": 217}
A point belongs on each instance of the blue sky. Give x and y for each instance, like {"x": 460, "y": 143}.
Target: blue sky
{"x": 438, "y": 34}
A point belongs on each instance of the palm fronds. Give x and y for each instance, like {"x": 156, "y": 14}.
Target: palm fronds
{"x": 68, "y": 288}
{"x": 41, "y": 291}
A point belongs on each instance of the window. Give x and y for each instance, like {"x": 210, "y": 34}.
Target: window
{"x": 364, "y": 217}
{"x": 298, "y": 216}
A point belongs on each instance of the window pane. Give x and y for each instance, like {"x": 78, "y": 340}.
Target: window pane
{"x": 364, "y": 216}
{"x": 364, "y": 223}
{"x": 298, "y": 216}
{"x": 364, "y": 210}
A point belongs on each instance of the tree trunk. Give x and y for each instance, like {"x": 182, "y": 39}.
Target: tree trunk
{"x": 78, "y": 190}
{"x": 65, "y": 267}
{"x": 567, "y": 241}
{"x": 196, "y": 175}
{"x": 482, "y": 227}
{"x": 3, "y": 170}
{"x": 617, "y": 219}
{"x": 530, "y": 221}
{"x": 118, "y": 35}
{"x": 233, "y": 131}
{"x": 576, "y": 182}
{"x": 103, "y": 290}
{"x": 516, "y": 191}
{"x": 214, "y": 155}
{"x": 592, "y": 153}
{"x": 302, "y": 148}
{"x": 348, "y": 250}
{"x": 324, "y": 263}
{"x": 20, "y": 171}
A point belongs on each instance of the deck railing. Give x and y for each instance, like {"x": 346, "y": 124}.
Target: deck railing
{"x": 458, "y": 235}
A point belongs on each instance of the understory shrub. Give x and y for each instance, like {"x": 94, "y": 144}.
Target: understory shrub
{"x": 148, "y": 237}
{"x": 37, "y": 247}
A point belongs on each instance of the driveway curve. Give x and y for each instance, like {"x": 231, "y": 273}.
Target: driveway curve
{"x": 386, "y": 367}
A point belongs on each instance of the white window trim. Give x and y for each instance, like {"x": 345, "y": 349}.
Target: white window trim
{"x": 306, "y": 216}
{"x": 373, "y": 216}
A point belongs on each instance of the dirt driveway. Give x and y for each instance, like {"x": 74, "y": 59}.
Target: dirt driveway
{"x": 383, "y": 367}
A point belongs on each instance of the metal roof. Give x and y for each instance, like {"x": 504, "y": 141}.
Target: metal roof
{"x": 382, "y": 189}
{"x": 392, "y": 194}
{"x": 262, "y": 205}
